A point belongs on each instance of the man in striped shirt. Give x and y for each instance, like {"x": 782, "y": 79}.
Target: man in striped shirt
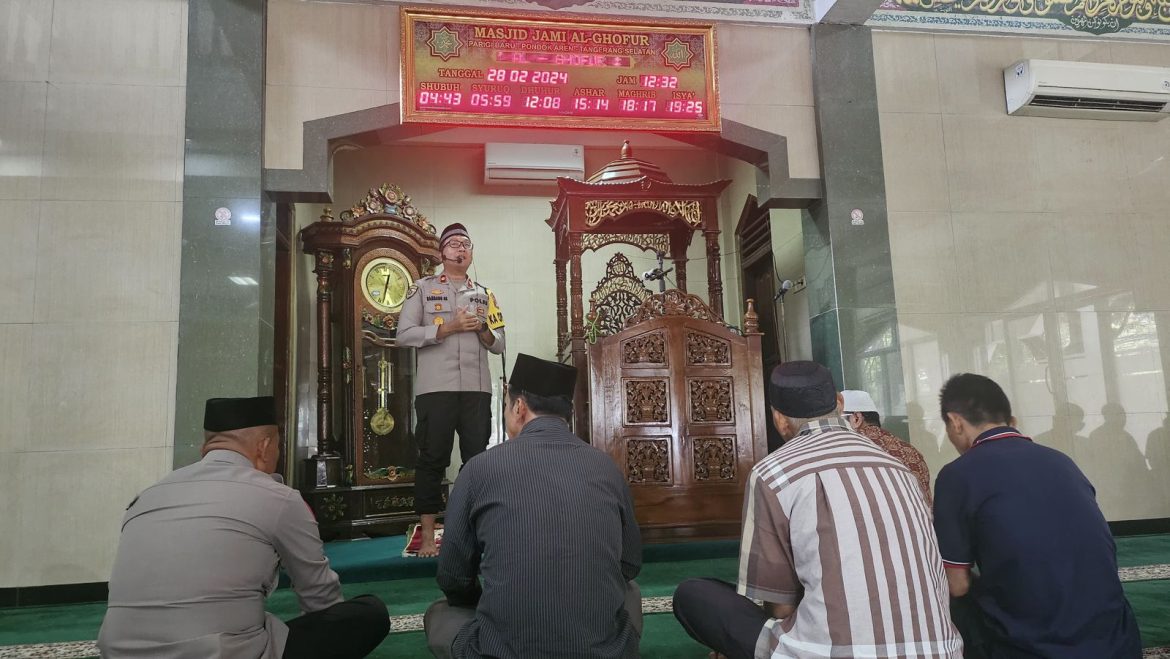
{"x": 837, "y": 543}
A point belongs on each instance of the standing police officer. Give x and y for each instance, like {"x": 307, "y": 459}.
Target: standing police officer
{"x": 445, "y": 317}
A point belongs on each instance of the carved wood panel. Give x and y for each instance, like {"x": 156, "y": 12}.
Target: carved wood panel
{"x": 645, "y": 349}
{"x": 617, "y": 295}
{"x": 648, "y": 460}
{"x": 646, "y": 402}
{"x": 706, "y": 349}
{"x": 710, "y": 400}
{"x": 714, "y": 458}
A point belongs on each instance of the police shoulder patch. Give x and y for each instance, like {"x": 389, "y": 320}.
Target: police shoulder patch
{"x": 410, "y": 292}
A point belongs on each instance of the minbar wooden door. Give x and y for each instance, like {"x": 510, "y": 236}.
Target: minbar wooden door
{"x": 677, "y": 402}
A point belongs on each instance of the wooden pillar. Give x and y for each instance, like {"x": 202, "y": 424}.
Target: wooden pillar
{"x": 562, "y": 309}
{"x": 326, "y": 445}
{"x": 714, "y": 278}
{"x": 678, "y": 254}
{"x": 581, "y": 420}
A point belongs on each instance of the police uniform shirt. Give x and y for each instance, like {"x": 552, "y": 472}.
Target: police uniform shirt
{"x": 458, "y": 362}
{"x": 546, "y": 523}
{"x": 198, "y": 557}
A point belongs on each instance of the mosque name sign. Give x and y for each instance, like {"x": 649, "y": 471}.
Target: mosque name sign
{"x": 485, "y": 68}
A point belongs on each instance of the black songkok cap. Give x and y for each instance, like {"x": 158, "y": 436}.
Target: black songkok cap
{"x": 451, "y": 231}
{"x": 542, "y": 377}
{"x": 223, "y": 414}
{"x": 802, "y": 390}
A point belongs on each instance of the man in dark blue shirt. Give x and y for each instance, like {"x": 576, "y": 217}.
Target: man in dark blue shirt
{"x": 1026, "y": 519}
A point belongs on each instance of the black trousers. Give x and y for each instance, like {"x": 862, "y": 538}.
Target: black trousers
{"x": 440, "y": 415}
{"x": 718, "y": 617}
{"x": 346, "y": 630}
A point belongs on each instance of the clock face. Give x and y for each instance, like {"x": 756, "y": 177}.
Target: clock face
{"x": 384, "y": 283}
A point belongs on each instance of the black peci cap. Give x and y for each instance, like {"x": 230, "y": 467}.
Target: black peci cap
{"x": 223, "y": 414}
{"x": 802, "y": 390}
{"x": 542, "y": 377}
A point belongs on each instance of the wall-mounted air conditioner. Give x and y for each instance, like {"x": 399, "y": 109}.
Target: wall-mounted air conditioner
{"x": 532, "y": 164}
{"x": 1086, "y": 90}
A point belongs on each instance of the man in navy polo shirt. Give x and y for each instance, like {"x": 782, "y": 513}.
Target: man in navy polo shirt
{"x": 1025, "y": 520}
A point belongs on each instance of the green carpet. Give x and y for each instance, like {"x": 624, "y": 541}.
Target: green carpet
{"x": 412, "y": 588}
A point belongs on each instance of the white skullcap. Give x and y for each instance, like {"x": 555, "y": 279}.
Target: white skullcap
{"x": 858, "y": 401}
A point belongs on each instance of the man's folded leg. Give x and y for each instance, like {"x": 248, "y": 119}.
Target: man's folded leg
{"x": 442, "y": 623}
{"x": 346, "y": 630}
{"x": 715, "y": 615}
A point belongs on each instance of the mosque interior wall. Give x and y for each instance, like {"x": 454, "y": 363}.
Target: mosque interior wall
{"x": 1031, "y": 250}
{"x": 91, "y": 175}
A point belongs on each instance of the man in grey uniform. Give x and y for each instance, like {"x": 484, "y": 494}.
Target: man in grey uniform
{"x": 199, "y": 554}
{"x": 546, "y": 523}
{"x": 446, "y": 317}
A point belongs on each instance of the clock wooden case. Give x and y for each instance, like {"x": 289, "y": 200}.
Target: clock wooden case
{"x": 362, "y": 479}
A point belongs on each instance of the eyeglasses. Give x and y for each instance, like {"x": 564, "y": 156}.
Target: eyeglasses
{"x": 459, "y": 244}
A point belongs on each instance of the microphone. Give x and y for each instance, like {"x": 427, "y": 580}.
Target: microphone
{"x": 656, "y": 273}
{"x": 785, "y": 286}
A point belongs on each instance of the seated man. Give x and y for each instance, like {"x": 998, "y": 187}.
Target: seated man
{"x": 546, "y": 523}
{"x": 836, "y": 542}
{"x": 862, "y": 415}
{"x": 199, "y": 553}
{"x": 1027, "y": 517}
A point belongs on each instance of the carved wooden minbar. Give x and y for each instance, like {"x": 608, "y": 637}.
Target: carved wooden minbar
{"x": 632, "y": 202}
{"x": 678, "y": 403}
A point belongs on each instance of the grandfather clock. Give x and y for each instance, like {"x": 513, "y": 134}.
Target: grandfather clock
{"x": 362, "y": 478}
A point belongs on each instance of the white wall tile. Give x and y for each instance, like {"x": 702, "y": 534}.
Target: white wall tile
{"x": 923, "y": 256}
{"x": 764, "y": 65}
{"x": 107, "y": 385}
{"x": 77, "y": 531}
{"x": 16, "y": 349}
{"x": 327, "y": 46}
{"x": 96, "y": 257}
{"x": 914, "y": 159}
{"x": 124, "y": 42}
{"x": 906, "y": 73}
{"x": 113, "y": 142}
{"x": 24, "y": 39}
{"x": 22, "y": 138}
{"x": 992, "y": 163}
{"x": 18, "y": 255}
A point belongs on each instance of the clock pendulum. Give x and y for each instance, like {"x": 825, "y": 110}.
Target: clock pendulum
{"x": 382, "y": 422}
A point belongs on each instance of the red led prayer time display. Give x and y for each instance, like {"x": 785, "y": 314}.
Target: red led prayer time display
{"x": 482, "y": 68}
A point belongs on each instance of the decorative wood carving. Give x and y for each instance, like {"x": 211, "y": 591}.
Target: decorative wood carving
{"x": 710, "y": 400}
{"x": 642, "y": 207}
{"x": 648, "y": 460}
{"x": 391, "y": 200}
{"x": 601, "y": 210}
{"x": 711, "y": 417}
{"x": 617, "y": 295}
{"x": 705, "y": 349}
{"x": 714, "y": 282}
{"x": 714, "y": 458}
{"x": 751, "y": 319}
{"x": 645, "y": 349}
{"x": 650, "y": 242}
{"x": 646, "y": 402}
{"x": 673, "y": 303}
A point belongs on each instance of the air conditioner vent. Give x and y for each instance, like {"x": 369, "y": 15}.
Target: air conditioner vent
{"x": 1082, "y": 103}
{"x": 1087, "y": 90}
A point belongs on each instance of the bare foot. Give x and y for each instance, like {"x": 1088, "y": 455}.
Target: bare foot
{"x": 429, "y": 548}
